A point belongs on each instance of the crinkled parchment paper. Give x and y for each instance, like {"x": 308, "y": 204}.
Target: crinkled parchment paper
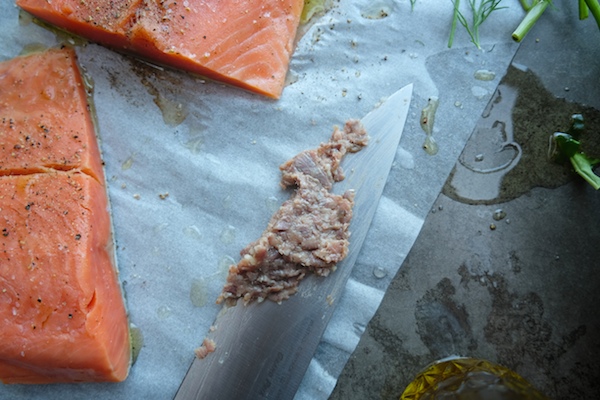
{"x": 192, "y": 168}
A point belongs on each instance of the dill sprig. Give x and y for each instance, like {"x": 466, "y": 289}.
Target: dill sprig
{"x": 534, "y": 9}
{"x": 480, "y": 11}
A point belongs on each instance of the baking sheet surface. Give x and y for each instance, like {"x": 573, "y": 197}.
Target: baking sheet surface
{"x": 192, "y": 168}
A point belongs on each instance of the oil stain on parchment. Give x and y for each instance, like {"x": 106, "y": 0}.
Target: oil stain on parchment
{"x": 198, "y": 293}
{"x": 174, "y": 95}
{"x": 174, "y": 112}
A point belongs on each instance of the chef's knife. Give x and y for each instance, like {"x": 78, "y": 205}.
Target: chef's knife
{"x": 263, "y": 349}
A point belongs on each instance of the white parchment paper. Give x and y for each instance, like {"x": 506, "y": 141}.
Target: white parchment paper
{"x": 192, "y": 168}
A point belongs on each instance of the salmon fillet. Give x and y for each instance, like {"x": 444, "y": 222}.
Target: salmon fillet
{"x": 240, "y": 42}
{"x": 62, "y": 313}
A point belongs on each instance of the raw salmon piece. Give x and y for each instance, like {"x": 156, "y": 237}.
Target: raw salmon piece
{"x": 241, "y": 42}
{"x": 44, "y": 120}
{"x": 61, "y": 309}
{"x": 62, "y": 313}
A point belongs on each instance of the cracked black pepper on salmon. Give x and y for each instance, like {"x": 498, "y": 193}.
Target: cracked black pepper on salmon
{"x": 309, "y": 233}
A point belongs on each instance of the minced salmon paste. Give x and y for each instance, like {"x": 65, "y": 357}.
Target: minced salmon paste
{"x": 309, "y": 233}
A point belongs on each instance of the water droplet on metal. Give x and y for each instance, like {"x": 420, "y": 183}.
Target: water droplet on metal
{"x": 479, "y": 92}
{"x": 480, "y": 179}
{"x": 430, "y": 145}
{"x": 499, "y": 214}
{"x": 484, "y": 75}
{"x": 405, "y": 159}
{"x": 379, "y": 272}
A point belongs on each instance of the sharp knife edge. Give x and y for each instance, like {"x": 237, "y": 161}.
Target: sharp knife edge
{"x": 263, "y": 349}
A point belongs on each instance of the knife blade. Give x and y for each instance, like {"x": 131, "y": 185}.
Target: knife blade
{"x": 263, "y": 349}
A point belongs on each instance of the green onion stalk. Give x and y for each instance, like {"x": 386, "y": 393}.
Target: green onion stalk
{"x": 584, "y": 11}
{"x": 534, "y": 10}
{"x": 587, "y": 6}
{"x": 527, "y": 5}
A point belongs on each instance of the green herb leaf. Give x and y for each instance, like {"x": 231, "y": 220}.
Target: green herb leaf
{"x": 480, "y": 11}
{"x": 564, "y": 146}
